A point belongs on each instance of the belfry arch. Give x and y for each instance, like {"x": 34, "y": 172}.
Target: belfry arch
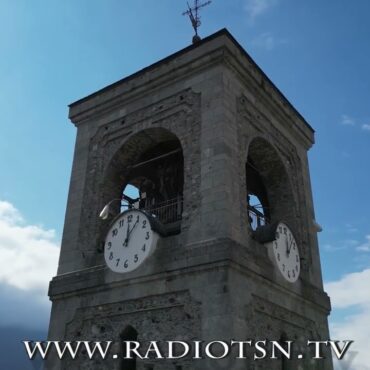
{"x": 269, "y": 191}
{"x": 150, "y": 162}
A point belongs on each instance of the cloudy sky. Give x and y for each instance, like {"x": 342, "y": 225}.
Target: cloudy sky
{"x": 54, "y": 52}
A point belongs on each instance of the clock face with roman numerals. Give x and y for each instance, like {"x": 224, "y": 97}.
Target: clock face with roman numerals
{"x": 286, "y": 253}
{"x": 129, "y": 241}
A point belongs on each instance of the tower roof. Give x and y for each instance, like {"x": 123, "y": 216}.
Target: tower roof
{"x": 202, "y": 46}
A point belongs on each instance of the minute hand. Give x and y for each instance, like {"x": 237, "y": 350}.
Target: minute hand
{"x": 290, "y": 246}
{"x": 130, "y": 231}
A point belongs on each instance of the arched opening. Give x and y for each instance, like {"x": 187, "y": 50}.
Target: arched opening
{"x": 131, "y": 193}
{"x": 269, "y": 193}
{"x": 129, "y": 334}
{"x": 257, "y": 200}
{"x": 148, "y": 173}
{"x": 283, "y": 360}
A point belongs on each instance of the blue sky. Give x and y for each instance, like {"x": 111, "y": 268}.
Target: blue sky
{"x": 55, "y": 52}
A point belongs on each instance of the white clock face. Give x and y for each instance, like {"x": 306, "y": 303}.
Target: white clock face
{"x": 129, "y": 241}
{"x": 286, "y": 253}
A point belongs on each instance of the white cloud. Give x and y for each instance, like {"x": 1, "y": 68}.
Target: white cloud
{"x": 341, "y": 245}
{"x": 351, "y": 229}
{"x": 347, "y": 120}
{"x": 350, "y": 121}
{"x": 28, "y": 253}
{"x": 266, "y": 41}
{"x": 365, "y": 247}
{"x": 9, "y": 214}
{"x": 333, "y": 248}
{"x": 255, "y": 8}
{"x": 352, "y": 292}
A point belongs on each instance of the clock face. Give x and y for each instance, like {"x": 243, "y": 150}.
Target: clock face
{"x": 286, "y": 253}
{"x": 129, "y": 241}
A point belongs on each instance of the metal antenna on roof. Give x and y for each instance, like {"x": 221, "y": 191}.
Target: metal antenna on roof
{"x": 193, "y": 13}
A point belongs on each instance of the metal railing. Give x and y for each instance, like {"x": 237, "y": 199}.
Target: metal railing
{"x": 256, "y": 217}
{"x": 168, "y": 211}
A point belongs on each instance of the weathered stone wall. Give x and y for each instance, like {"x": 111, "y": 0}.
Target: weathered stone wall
{"x": 118, "y": 144}
{"x": 153, "y": 317}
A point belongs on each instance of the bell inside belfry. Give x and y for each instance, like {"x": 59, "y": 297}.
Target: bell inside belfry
{"x": 155, "y": 182}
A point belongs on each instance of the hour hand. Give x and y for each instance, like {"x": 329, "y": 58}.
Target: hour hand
{"x": 127, "y": 236}
{"x": 287, "y": 246}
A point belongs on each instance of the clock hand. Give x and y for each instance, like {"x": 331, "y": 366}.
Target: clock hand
{"x": 127, "y": 236}
{"x": 129, "y": 232}
{"x": 133, "y": 227}
{"x": 286, "y": 245}
{"x": 290, "y": 246}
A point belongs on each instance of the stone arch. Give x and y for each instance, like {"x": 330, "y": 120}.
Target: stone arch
{"x": 268, "y": 180}
{"x": 128, "y": 334}
{"x": 176, "y": 116}
{"x": 152, "y": 161}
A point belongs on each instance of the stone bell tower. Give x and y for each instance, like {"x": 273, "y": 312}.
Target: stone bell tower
{"x": 215, "y": 151}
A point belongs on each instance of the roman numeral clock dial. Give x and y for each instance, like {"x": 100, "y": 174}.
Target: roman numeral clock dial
{"x": 129, "y": 241}
{"x": 286, "y": 253}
